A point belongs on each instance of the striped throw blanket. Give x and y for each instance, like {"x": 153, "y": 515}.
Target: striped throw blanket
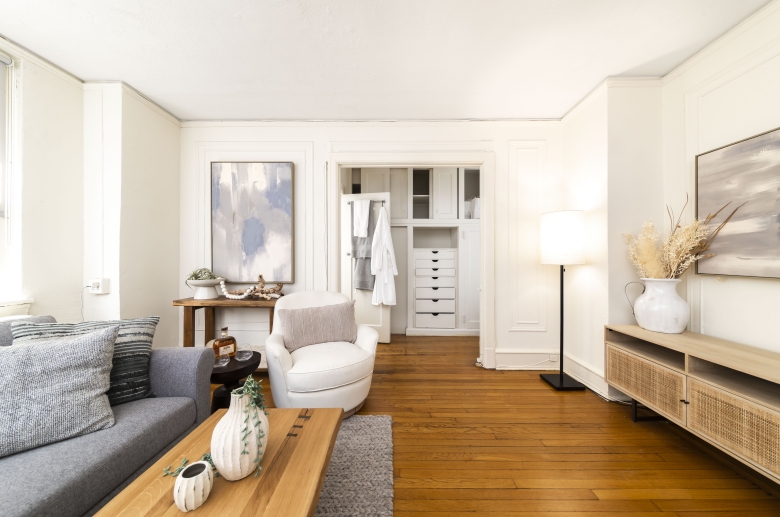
{"x": 132, "y": 350}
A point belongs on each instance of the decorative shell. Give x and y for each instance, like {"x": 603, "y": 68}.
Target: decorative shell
{"x": 239, "y": 439}
{"x": 193, "y": 486}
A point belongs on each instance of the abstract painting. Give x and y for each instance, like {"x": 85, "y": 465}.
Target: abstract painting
{"x": 252, "y": 221}
{"x": 746, "y": 173}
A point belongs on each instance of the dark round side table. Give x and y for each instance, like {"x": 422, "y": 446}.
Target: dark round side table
{"x": 230, "y": 377}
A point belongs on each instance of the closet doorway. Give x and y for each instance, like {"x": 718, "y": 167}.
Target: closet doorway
{"x": 435, "y": 218}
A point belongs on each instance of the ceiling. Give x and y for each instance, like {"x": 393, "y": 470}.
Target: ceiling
{"x": 367, "y": 59}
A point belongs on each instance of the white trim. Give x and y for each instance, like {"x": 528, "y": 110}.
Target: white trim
{"x": 20, "y": 53}
{"x": 411, "y": 331}
{"x": 587, "y": 375}
{"x": 743, "y": 27}
{"x": 513, "y": 123}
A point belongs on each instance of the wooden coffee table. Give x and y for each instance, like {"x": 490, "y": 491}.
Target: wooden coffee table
{"x": 294, "y": 467}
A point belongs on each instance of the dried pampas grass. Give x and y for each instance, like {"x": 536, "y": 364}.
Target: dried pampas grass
{"x": 672, "y": 256}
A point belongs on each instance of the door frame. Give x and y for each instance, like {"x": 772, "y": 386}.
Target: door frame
{"x": 473, "y": 154}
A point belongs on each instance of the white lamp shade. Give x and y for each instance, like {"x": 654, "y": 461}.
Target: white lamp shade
{"x": 562, "y": 237}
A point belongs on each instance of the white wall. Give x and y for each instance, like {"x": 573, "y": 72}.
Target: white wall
{"x": 527, "y": 165}
{"x": 149, "y": 230}
{"x": 131, "y": 226}
{"x": 726, "y": 93}
{"x": 612, "y": 170}
{"x": 48, "y": 185}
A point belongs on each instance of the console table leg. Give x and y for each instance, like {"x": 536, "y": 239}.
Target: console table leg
{"x": 210, "y": 313}
{"x": 189, "y": 326}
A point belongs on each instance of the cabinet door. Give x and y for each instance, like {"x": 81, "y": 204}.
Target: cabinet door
{"x": 445, "y": 193}
{"x": 468, "y": 274}
{"x": 658, "y": 387}
{"x": 374, "y": 180}
{"x": 740, "y": 426}
{"x": 399, "y": 193}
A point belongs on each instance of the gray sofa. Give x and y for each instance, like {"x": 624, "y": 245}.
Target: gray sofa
{"x": 79, "y": 476}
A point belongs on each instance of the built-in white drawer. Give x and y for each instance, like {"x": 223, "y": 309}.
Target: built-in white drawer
{"x": 434, "y": 281}
{"x": 436, "y": 306}
{"x": 422, "y": 271}
{"x": 435, "y": 293}
{"x": 435, "y": 321}
{"x": 434, "y": 263}
{"x": 441, "y": 254}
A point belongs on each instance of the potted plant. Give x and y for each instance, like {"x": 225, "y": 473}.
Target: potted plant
{"x": 660, "y": 264}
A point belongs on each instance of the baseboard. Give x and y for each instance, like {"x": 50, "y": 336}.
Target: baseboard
{"x": 525, "y": 359}
{"x": 410, "y": 331}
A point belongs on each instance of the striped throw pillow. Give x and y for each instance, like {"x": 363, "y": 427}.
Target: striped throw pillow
{"x": 132, "y": 350}
{"x": 313, "y": 325}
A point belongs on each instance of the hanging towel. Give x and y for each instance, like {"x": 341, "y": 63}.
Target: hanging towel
{"x": 383, "y": 262}
{"x": 362, "y": 278}
{"x": 360, "y": 213}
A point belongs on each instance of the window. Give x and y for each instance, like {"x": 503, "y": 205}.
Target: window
{"x": 9, "y": 282}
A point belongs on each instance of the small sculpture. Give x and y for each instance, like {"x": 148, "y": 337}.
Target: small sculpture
{"x": 256, "y": 291}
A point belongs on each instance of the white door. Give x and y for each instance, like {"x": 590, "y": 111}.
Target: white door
{"x": 366, "y": 313}
{"x": 468, "y": 274}
{"x": 445, "y": 193}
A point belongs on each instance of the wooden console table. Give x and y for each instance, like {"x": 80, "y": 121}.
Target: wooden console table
{"x": 209, "y": 308}
{"x": 726, "y": 393}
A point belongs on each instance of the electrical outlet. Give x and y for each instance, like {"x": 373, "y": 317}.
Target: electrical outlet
{"x": 553, "y": 357}
{"x": 99, "y": 286}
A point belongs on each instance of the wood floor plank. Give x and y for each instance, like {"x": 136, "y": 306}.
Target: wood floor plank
{"x": 470, "y": 442}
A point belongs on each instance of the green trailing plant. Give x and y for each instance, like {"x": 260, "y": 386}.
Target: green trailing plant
{"x": 255, "y": 404}
{"x": 168, "y": 472}
{"x": 207, "y": 458}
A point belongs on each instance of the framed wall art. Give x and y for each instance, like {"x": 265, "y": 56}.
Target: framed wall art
{"x": 252, "y": 221}
{"x": 746, "y": 173}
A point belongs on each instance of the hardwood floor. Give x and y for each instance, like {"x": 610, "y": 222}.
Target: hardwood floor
{"x": 470, "y": 442}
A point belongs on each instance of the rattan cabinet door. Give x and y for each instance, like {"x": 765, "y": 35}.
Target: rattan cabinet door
{"x": 738, "y": 425}
{"x": 658, "y": 387}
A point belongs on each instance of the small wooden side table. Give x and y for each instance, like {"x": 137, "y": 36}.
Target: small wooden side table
{"x": 209, "y": 307}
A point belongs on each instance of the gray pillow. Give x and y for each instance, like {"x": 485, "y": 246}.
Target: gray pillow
{"x": 133, "y": 348}
{"x": 54, "y": 390}
{"x": 303, "y": 327}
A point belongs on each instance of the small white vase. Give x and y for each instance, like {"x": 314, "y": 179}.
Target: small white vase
{"x": 205, "y": 289}
{"x": 193, "y": 486}
{"x": 660, "y": 308}
{"x": 237, "y": 441}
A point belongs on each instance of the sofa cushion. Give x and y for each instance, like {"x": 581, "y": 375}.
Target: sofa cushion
{"x": 328, "y": 365}
{"x": 6, "y": 337}
{"x": 54, "y": 391}
{"x": 68, "y": 478}
{"x": 130, "y": 370}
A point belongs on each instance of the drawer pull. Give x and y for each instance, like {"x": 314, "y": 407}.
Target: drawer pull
{"x": 435, "y": 278}
{"x": 434, "y": 313}
{"x": 435, "y": 260}
{"x": 435, "y": 301}
{"x": 435, "y": 269}
{"x": 434, "y": 252}
{"x": 684, "y": 401}
{"x": 435, "y": 288}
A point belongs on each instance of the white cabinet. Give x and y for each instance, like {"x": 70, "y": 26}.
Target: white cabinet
{"x": 445, "y": 193}
{"x": 434, "y": 303}
{"x": 470, "y": 292}
{"x": 374, "y": 180}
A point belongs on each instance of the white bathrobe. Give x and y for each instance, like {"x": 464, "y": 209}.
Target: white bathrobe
{"x": 383, "y": 262}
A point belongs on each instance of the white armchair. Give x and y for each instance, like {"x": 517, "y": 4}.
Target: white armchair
{"x": 336, "y": 374}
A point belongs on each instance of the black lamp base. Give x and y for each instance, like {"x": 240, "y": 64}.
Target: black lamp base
{"x": 562, "y": 382}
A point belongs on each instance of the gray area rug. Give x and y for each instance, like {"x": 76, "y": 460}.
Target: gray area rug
{"x": 360, "y": 475}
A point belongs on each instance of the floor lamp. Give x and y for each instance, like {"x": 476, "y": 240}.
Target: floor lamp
{"x": 562, "y": 243}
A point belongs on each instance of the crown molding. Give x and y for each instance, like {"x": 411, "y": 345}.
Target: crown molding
{"x": 746, "y": 25}
{"x": 612, "y": 82}
{"x": 370, "y": 123}
{"x": 119, "y": 86}
{"x": 21, "y": 55}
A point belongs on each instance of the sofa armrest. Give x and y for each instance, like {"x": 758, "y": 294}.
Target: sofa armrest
{"x": 367, "y": 339}
{"x": 183, "y": 372}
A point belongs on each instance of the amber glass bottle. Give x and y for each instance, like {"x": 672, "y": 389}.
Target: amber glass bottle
{"x": 225, "y": 341}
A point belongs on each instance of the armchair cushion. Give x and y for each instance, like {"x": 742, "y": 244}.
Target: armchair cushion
{"x": 328, "y": 365}
{"x": 314, "y": 325}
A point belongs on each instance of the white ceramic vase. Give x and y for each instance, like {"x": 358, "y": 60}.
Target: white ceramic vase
{"x": 205, "y": 289}
{"x": 193, "y": 486}
{"x": 660, "y": 308}
{"x": 235, "y": 434}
